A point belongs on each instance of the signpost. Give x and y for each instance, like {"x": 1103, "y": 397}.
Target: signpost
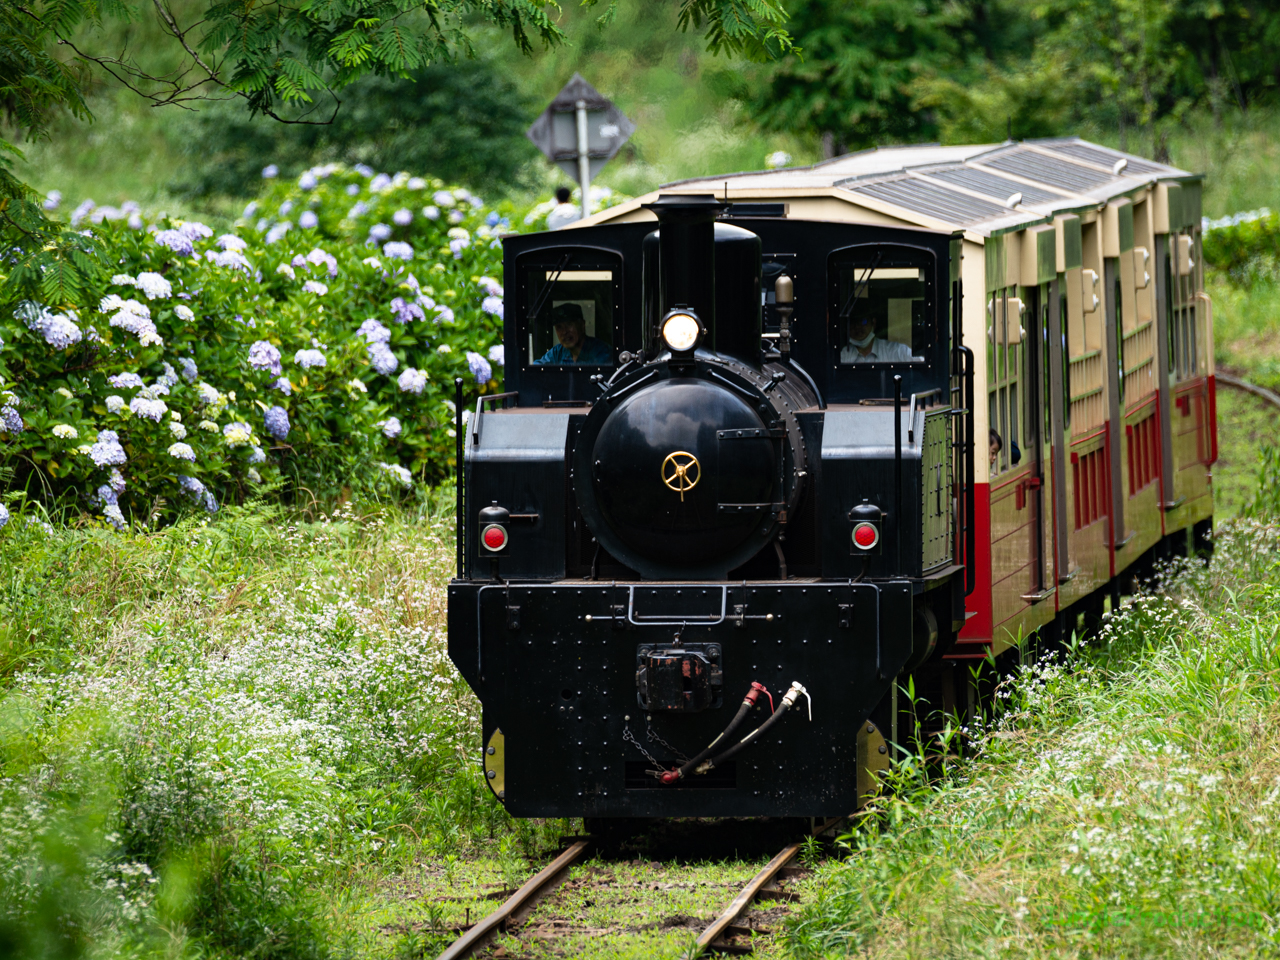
{"x": 580, "y": 132}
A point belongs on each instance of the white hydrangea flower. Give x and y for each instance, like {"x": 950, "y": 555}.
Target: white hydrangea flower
{"x": 183, "y": 312}
{"x": 178, "y": 430}
{"x": 64, "y": 431}
{"x": 207, "y": 425}
{"x": 154, "y": 286}
{"x": 115, "y": 403}
{"x": 182, "y": 451}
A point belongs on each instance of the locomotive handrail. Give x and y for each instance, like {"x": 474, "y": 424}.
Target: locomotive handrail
{"x": 911, "y": 415}
{"x": 707, "y": 621}
{"x": 475, "y": 425}
{"x": 970, "y": 546}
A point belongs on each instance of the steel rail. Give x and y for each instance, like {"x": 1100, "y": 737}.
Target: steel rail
{"x": 757, "y": 883}
{"x": 533, "y": 889}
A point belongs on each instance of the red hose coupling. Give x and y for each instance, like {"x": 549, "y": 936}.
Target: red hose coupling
{"x": 671, "y": 776}
{"x": 754, "y": 694}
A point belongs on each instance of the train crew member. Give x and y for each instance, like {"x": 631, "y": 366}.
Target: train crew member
{"x": 865, "y": 347}
{"x": 574, "y": 346}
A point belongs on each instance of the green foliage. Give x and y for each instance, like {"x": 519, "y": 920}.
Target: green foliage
{"x": 227, "y": 726}
{"x": 1266, "y": 502}
{"x": 853, "y": 77}
{"x": 1118, "y": 805}
{"x": 361, "y": 320}
{"x": 1246, "y": 248}
{"x": 464, "y": 121}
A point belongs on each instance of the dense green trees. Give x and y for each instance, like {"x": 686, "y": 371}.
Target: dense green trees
{"x": 880, "y": 71}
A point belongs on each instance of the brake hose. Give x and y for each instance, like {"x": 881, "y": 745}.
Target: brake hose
{"x": 793, "y": 694}
{"x": 749, "y": 701}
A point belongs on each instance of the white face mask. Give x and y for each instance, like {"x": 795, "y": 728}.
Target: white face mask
{"x": 865, "y": 341}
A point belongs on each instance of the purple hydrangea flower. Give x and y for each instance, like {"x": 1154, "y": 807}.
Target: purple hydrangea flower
{"x": 373, "y": 332}
{"x": 194, "y": 230}
{"x": 308, "y": 220}
{"x": 316, "y": 287}
{"x": 270, "y": 171}
{"x": 402, "y": 217}
{"x": 480, "y": 368}
{"x": 358, "y": 209}
{"x": 390, "y": 427}
{"x": 309, "y": 358}
{"x": 406, "y": 311}
{"x": 352, "y": 189}
{"x": 176, "y": 241}
{"x": 412, "y": 381}
{"x": 264, "y": 356}
{"x": 276, "y": 421}
{"x": 498, "y": 355}
{"x": 148, "y": 409}
{"x": 379, "y": 183}
{"x": 308, "y": 181}
{"x": 189, "y": 369}
{"x": 318, "y": 256}
{"x": 106, "y": 450}
{"x": 283, "y": 385}
{"x": 492, "y": 305}
{"x": 397, "y": 250}
{"x": 382, "y": 359}
{"x": 364, "y": 170}
{"x": 229, "y": 241}
{"x": 379, "y": 232}
{"x": 10, "y": 419}
{"x": 123, "y": 381}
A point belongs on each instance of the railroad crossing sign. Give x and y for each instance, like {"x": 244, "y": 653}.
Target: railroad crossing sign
{"x": 580, "y": 132}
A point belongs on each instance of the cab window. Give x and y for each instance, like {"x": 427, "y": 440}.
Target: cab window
{"x": 881, "y": 305}
{"x": 568, "y": 299}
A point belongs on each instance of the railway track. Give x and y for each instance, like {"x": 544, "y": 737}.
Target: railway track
{"x": 729, "y": 933}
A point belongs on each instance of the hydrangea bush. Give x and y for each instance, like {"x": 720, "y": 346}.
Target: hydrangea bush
{"x": 313, "y": 346}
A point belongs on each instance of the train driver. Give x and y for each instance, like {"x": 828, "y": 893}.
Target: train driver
{"x": 574, "y": 346}
{"x": 865, "y": 347}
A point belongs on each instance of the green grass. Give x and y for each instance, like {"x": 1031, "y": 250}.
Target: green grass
{"x": 1125, "y": 805}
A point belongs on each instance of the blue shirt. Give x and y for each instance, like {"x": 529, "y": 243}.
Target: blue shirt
{"x": 593, "y": 351}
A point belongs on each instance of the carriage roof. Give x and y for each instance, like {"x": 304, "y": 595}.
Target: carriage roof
{"x": 982, "y": 190}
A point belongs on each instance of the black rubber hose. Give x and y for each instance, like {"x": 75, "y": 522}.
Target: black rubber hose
{"x": 733, "y": 725}
{"x": 773, "y": 718}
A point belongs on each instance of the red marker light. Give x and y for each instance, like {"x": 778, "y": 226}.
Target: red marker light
{"x": 494, "y": 537}
{"x": 866, "y": 536}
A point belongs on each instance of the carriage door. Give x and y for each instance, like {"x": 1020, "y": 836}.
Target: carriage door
{"x": 1016, "y": 479}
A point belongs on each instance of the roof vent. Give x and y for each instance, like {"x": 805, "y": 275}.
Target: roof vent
{"x": 1119, "y": 165}
{"x": 1013, "y": 201}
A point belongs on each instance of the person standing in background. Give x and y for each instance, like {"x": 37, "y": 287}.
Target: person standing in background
{"x": 564, "y": 212}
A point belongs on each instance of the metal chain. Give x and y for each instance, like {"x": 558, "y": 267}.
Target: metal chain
{"x": 628, "y": 735}
{"x": 653, "y": 737}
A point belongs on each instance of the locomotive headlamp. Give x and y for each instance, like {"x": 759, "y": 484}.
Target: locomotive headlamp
{"x": 680, "y": 331}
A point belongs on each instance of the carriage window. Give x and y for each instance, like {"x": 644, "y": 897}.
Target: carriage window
{"x": 882, "y": 308}
{"x": 567, "y": 314}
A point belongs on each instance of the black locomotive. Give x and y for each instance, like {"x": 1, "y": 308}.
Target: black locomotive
{"x": 714, "y": 517}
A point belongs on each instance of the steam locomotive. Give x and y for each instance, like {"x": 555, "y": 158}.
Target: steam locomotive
{"x": 687, "y": 576}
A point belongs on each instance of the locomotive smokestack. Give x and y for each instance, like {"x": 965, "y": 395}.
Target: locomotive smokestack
{"x": 687, "y": 254}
